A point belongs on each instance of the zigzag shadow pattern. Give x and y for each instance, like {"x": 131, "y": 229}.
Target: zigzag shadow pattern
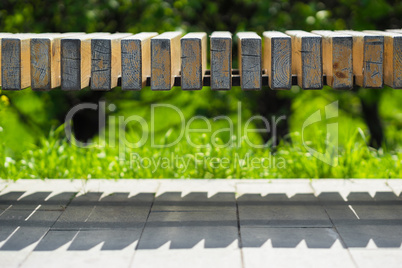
{"x": 146, "y": 221}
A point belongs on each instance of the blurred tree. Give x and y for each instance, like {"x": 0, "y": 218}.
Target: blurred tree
{"x": 193, "y": 15}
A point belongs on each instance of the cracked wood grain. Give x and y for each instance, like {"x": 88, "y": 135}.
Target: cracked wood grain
{"x": 337, "y": 51}
{"x": 392, "y": 57}
{"x": 2, "y": 35}
{"x": 221, "y": 60}
{"x": 193, "y": 60}
{"x": 307, "y": 59}
{"x": 45, "y": 60}
{"x": 106, "y": 61}
{"x": 277, "y": 60}
{"x": 165, "y": 60}
{"x": 136, "y": 60}
{"x": 250, "y": 60}
{"x": 15, "y": 61}
{"x": 76, "y": 61}
{"x": 368, "y": 57}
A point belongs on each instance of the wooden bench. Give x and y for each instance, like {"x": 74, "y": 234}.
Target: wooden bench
{"x": 103, "y": 61}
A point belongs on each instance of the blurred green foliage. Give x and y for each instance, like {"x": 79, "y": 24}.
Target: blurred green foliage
{"x": 26, "y": 118}
{"x": 193, "y": 15}
{"x": 29, "y": 152}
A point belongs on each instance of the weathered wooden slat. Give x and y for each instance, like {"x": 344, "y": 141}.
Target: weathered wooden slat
{"x": 165, "y": 60}
{"x": 136, "y": 60}
{"x": 337, "y": 51}
{"x": 278, "y": 59}
{"x": 76, "y": 61}
{"x": 2, "y": 35}
{"x": 307, "y": 59}
{"x": 221, "y": 60}
{"x": 394, "y": 30}
{"x": 193, "y": 60}
{"x": 45, "y": 60}
{"x": 106, "y": 61}
{"x": 15, "y": 61}
{"x": 392, "y": 57}
{"x": 250, "y": 60}
{"x": 368, "y": 57}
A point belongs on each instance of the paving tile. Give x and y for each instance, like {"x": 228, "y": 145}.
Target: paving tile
{"x": 108, "y": 186}
{"x": 192, "y": 237}
{"x": 194, "y": 223}
{"x": 192, "y": 219}
{"x": 116, "y": 210}
{"x": 188, "y": 236}
{"x": 9, "y": 198}
{"x": 345, "y": 187}
{"x": 6, "y": 232}
{"x": 4, "y": 184}
{"x": 186, "y": 212}
{"x": 202, "y": 185}
{"x": 50, "y": 194}
{"x": 120, "y": 211}
{"x": 288, "y": 237}
{"x": 296, "y": 257}
{"x": 383, "y": 206}
{"x": 175, "y": 195}
{"x": 56, "y": 239}
{"x": 195, "y": 201}
{"x": 363, "y": 210}
{"x": 281, "y": 203}
{"x": 83, "y": 186}
{"x": 204, "y": 257}
{"x": 11, "y": 259}
{"x": 279, "y": 211}
{"x": 45, "y": 201}
{"x": 81, "y": 249}
{"x": 24, "y": 237}
{"x": 111, "y": 239}
{"x": 360, "y": 204}
{"x": 109, "y": 204}
{"x": 78, "y": 211}
{"x": 192, "y": 203}
{"x": 367, "y": 258}
{"x": 186, "y": 229}
{"x": 28, "y": 218}
{"x": 396, "y": 186}
{"x": 56, "y": 194}
{"x": 293, "y": 247}
{"x": 84, "y": 240}
{"x": 46, "y": 185}
{"x": 22, "y": 228}
{"x": 289, "y": 187}
{"x": 21, "y": 201}
{"x": 382, "y": 233}
{"x": 68, "y": 259}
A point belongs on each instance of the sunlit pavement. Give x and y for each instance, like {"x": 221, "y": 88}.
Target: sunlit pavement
{"x": 201, "y": 223}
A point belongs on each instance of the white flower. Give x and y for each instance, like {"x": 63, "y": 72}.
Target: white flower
{"x": 9, "y": 161}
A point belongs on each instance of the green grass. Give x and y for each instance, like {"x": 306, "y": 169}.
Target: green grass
{"x": 55, "y": 158}
{"x": 25, "y": 153}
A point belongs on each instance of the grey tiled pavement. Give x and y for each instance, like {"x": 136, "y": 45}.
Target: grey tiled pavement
{"x": 201, "y": 223}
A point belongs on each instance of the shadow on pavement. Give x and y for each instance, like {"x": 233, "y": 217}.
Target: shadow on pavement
{"x": 250, "y": 220}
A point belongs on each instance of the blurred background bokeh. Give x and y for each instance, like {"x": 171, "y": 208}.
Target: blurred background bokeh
{"x": 32, "y": 140}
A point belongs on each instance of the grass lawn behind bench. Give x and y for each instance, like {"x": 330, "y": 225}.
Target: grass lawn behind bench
{"x": 29, "y": 150}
